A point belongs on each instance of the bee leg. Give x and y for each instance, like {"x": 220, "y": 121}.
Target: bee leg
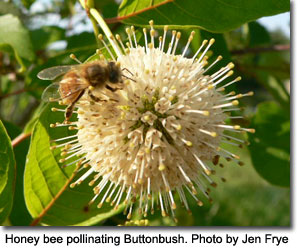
{"x": 112, "y": 88}
{"x": 69, "y": 112}
{"x": 70, "y": 108}
{"x": 94, "y": 98}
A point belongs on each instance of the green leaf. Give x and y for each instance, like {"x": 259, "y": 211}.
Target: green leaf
{"x": 266, "y": 64}
{"x": 19, "y": 215}
{"x": 108, "y": 8}
{"x": 211, "y": 15}
{"x": 84, "y": 39}
{"x": 12, "y": 130}
{"x": 45, "y": 35}
{"x": 14, "y": 38}
{"x": 45, "y": 179}
{"x": 7, "y": 174}
{"x": 27, "y": 3}
{"x": 9, "y": 8}
{"x": 13, "y": 33}
{"x": 6, "y": 84}
{"x": 278, "y": 90}
{"x": 275, "y": 86}
{"x": 258, "y": 35}
{"x": 270, "y": 69}
{"x": 30, "y": 125}
{"x": 270, "y": 145}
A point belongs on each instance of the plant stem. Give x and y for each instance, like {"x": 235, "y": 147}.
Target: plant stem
{"x": 281, "y": 47}
{"x": 96, "y": 31}
{"x": 18, "y": 58}
{"x": 106, "y": 30}
{"x": 20, "y": 138}
{"x": 88, "y": 6}
{"x": 13, "y": 93}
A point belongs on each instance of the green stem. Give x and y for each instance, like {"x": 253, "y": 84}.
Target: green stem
{"x": 88, "y": 5}
{"x": 106, "y": 30}
{"x": 19, "y": 60}
{"x": 96, "y": 31}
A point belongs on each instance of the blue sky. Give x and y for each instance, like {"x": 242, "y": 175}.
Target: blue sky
{"x": 281, "y": 21}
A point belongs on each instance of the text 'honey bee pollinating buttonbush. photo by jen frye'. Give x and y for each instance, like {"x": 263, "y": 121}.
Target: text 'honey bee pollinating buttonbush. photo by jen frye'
{"x": 158, "y": 135}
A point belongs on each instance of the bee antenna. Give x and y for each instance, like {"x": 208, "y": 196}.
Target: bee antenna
{"x": 73, "y": 57}
{"x": 126, "y": 69}
{"x": 128, "y": 78}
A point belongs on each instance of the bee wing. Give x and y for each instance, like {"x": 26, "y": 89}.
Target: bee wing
{"x": 51, "y": 93}
{"x": 52, "y": 73}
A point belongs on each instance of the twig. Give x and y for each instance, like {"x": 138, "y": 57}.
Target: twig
{"x": 282, "y": 68}
{"x": 20, "y": 138}
{"x": 12, "y": 94}
{"x": 121, "y": 18}
{"x": 115, "y": 27}
{"x": 282, "y": 47}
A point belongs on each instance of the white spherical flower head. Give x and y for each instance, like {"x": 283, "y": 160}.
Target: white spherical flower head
{"x": 160, "y": 133}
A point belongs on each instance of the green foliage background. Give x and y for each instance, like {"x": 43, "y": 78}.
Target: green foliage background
{"x": 38, "y": 34}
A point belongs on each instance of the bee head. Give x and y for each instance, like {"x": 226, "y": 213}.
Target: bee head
{"x": 114, "y": 72}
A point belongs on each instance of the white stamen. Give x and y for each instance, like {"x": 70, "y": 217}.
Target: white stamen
{"x": 164, "y": 38}
{"x": 106, "y": 47}
{"x": 188, "y": 43}
{"x": 212, "y": 64}
{"x": 198, "y": 51}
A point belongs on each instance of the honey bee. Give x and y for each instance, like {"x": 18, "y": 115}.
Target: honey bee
{"x": 80, "y": 78}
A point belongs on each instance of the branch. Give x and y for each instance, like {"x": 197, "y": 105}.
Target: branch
{"x": 121, "y": 18}
{"x": 282, "y": 47}
{"x": 20, "y": 138}
{"x": 283, "y": 68}
{"x": 12, "y": 94}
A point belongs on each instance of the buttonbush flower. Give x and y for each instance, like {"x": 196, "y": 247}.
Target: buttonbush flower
{"x": 161, "y": 133}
